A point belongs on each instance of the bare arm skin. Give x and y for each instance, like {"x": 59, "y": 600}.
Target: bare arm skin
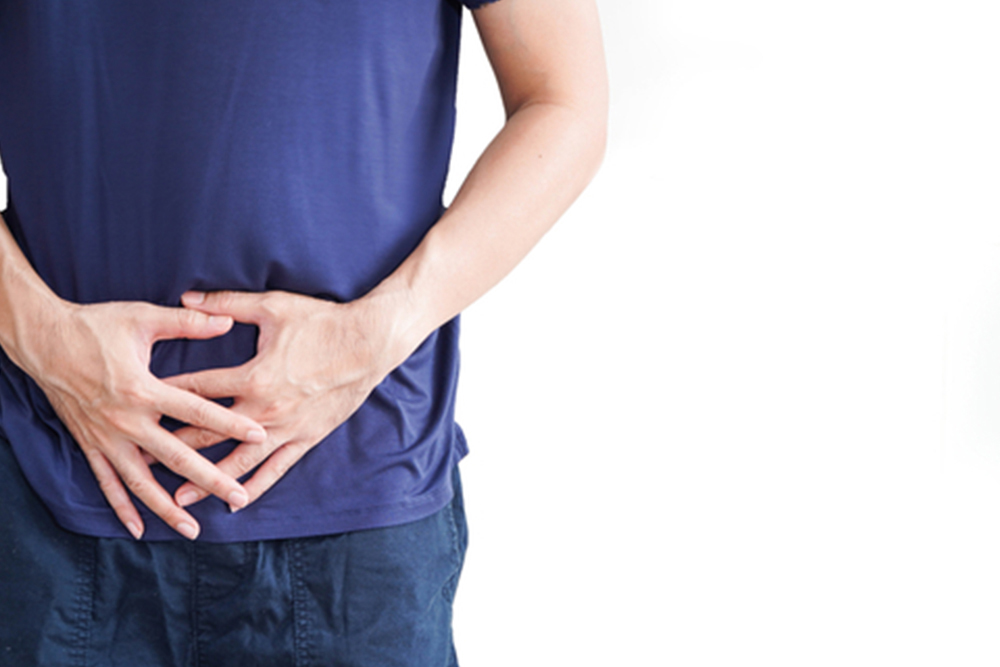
{"x": 92, "y": 362}
{"x": 549, "y": 62}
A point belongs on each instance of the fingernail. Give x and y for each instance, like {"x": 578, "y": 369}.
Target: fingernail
{"x": 256, "y": 435}
{"x": 185, "y": 498}
{"x": 237, "y": 499}
{"x": 188, "y": 530}
{"x": 194, "y": 297}
{"x": 134, "y": 529}
{"x": 218, "y": 321}
{"x": 233, "y": 510}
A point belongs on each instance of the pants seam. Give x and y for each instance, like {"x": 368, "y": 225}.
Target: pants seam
{"x": 451, "y": 584}
{"x": 83, "y": 601}
{"x": 300, "y": 616}
{"x": 195, "y": 630}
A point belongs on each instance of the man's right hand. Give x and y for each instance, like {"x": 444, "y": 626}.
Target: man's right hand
{"x": 92, "y": 362}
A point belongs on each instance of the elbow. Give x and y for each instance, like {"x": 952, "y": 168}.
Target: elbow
{"x": 593, "y": 133}
{"x": 599, "y": 139}
{"x": 591, "y": 105}
{"x": 586, "y": 128}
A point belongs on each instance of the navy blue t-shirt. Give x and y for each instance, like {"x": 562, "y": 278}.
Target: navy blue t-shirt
{"x": 157, "y": 147}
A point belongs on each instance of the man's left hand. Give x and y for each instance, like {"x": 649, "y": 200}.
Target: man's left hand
{"x": 317, "y": 361}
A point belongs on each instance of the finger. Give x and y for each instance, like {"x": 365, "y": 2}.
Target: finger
{"x": 198, "y": 411}
{"x": 115, "y": 493}
{"x": 213, "y": 383}
{"x": 187, "y": 463}
{"x": 189, "y": 494}
{"x": 165, "y": 323}
{"x": 193, "y": 437}
{"x": 244, "y": 458}
{"x": 137, "y": 477}
{"x": 198, "y": 438}
{"x": 273, "y": 469}
{"x": 241, "y": 306}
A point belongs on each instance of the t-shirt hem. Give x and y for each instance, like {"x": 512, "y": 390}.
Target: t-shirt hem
{"x": 95, "y": 522}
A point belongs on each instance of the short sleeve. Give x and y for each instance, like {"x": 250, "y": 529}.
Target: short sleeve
{"x": 476, "y": 4}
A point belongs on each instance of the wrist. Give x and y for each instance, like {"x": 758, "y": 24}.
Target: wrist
{"x": 420, "y": 294}
{"x": 34, "y": 315}
{"x": 394, "y": 312}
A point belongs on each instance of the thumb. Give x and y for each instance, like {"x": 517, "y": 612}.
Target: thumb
{"x": 165, "y": 323}
{"x": 243, "y": 306}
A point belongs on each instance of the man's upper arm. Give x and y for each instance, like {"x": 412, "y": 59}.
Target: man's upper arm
{"x": 546, "y": 51}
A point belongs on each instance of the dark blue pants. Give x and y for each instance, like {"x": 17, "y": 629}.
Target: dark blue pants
{"x": 370, "y": 598}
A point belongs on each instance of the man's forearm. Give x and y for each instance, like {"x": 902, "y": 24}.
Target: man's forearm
{"x": 530, "y": 174}
{"x": 550, "y": 67}
{"x": 26, "y": 302}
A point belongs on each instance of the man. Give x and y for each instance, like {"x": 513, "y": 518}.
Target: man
{"x": 241, "y": 200}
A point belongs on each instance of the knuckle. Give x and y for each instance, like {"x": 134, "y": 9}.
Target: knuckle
{"x": 222, "y": 300}
{"x": 272, "y": 413}
{"x": 271, "y": 303}
{"x": 236, "y": 429}
{"x": 137, "y": 312}
{"x": 108, "y": 487}
{"x": 188, "y": 435}
{"x": 176, "y": 459}
{"x": 142, "y": 318}
{"x": 201, "y": 412}
{"x": 197, "y": 438}
{"x": 92, "y": 454}
{"x": 140, "y": 487}
{"x": 133, "y": 390}
{"x": 186, "y": 382}
{"x": 285, "y": 463}
{"x": 120, "y": 420}
{"x": 245, "y": 461}
{"x": 220, "y": 487}
{"x": 187, "y": 319}
{"x": 258, "y": 382}
{"x": 205, "y": 438}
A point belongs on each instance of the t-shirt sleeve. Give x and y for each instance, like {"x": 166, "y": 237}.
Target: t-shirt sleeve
{"x": 476, "y": 4}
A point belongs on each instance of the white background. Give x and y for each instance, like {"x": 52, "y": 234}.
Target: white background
{"x": 742, "y": 405}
